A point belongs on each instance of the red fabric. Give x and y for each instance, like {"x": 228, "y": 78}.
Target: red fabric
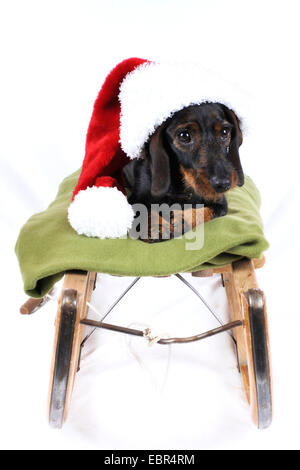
{"x": 104, "y": 157}
{"x": 108, "y": 182}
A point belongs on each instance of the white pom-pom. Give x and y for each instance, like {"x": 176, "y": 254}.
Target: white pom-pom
{"x": 101, "y": 212}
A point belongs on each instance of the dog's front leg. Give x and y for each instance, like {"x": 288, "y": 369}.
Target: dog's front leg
{"x": 220, "y": 208}
{"x": 188, "y": 219}
{"x": 179, "y": 222}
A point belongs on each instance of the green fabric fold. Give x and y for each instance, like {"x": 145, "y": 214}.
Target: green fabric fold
{"x": 48, "y": 246}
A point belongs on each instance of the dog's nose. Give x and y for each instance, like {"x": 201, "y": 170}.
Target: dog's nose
{"x": 220, "y": 185}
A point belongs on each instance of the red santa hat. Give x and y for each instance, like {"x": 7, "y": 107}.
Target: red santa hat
{"x": 136, "y": 97}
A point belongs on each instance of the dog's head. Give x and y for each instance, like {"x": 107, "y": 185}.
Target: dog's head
{"x": 204, "y": 140}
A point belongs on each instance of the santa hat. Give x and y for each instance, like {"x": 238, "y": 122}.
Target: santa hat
{"x": 136, "y": 97}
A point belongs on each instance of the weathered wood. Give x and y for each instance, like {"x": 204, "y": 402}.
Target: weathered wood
{"x": 83, "y": 283}
{"x": 257, "y": 263}
{"x": 203, "y": 273}
{"x": 248, "y": 372}
{"x": 32, "y": 303}
{"x": 237, "y": 284}
{"x": 239, "y": 281}
{"x": 235, "y": 314}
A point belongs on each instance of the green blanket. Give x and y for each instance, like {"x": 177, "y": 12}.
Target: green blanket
{"x": 47, "y": 246}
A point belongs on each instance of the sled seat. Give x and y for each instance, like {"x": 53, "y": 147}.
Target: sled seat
{"x": 47, "y": 245}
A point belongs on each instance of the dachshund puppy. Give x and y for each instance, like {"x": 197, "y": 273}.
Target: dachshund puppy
{"x": 192, "y": 158}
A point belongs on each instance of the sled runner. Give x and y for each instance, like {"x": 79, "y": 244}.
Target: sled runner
{"x": 248, "y": 323}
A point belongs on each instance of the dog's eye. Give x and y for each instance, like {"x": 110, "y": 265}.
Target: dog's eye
{"x": 184, "y": 136}
{"x": 225, "y": 132}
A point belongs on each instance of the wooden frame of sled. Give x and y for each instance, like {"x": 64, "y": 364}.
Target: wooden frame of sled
{"x": 248, "y": 326}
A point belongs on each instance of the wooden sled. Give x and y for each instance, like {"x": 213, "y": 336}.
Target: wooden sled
{"x": 248, "y": 322}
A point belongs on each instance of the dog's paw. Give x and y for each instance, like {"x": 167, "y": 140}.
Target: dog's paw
{"x": 220, "y": 209}
{"x": 177, "y": 224}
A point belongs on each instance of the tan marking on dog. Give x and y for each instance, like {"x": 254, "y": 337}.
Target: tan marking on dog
{"x": 205, "y": 188}
{"x": 218, "y": 127}
{"x": 189, "y": 178}
{"x": 181, "y": 222}
{"x": 194, "y": 216}
{"x": 234, "y": 179}
{"x": 198, "y": 181}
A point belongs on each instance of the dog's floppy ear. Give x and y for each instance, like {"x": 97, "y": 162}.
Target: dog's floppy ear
{"x": 160, "y": 166}
{"x": 128, "y": 174}
{"x": 235, "y": 143}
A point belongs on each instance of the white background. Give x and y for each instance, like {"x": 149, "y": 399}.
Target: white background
{"x": 54, "y": 58}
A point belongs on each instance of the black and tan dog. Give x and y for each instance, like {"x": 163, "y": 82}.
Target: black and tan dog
{"x": 192, "y": 158}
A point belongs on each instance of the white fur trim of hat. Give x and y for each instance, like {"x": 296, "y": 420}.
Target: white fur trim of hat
{"x": 153, "y": 92}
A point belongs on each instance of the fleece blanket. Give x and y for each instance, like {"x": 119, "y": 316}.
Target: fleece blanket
{"x": 47, "y": 245}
